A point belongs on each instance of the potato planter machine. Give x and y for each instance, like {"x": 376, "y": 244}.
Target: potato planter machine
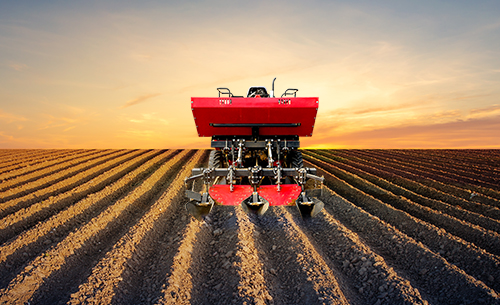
{"x": 256, "y": 161}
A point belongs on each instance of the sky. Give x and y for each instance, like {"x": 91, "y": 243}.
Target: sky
{"x": 120, "y": 74}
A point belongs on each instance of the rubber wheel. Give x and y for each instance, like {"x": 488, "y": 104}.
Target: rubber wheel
{"x": 295, "y": 159}
{"x": 215, "y": 159}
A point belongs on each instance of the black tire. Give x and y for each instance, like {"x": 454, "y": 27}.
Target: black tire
{"x": 215, "y": 159}
{"x": 295, "y": 159}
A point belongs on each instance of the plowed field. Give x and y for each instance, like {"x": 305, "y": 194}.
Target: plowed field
{"x": 110, "y": 227}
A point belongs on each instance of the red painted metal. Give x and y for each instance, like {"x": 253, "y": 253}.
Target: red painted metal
{"x": 286, "y": 196}
{"x": 222, "y": 194}
{"x": 234, "y": 110}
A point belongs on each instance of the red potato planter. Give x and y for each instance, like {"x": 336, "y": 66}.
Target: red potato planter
{"x": 256, "y": 162}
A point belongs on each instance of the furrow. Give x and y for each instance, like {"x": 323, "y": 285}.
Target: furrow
{"x": 484, "y": 157}
{"x": 439, "y": 281}
{"x": 427, "y": 189}
{"x": 148, "y": 269}
{"x": 31, "y": 165}
{"x": 27, "y": 217}
{"x": 24, "y": 286}
{"x": 439, "y": 166}
{"x": 252, "y": 287}
{"x": 215, "y": 276}
{"x": 394, "y": 192}
{"x": 149, "y": 266}
{"x": 479, "y": 165}
{"x": 319, "y": 273}
{"x": 43, "y": 209}
{"x": 284, "y": 269}
{"x": 363, "y": 269}
{"x": 488, "y": 191}
{"x": 77, "y": 269}
{"x": 179, "y": 286}
{"x": 433, "y": 167}
{"x": 81, "y": 164}
{"x": 15, "y": 156}
{"x": 27, "y": 174}
{"x": 59, "y": 224}
{"x": 8, "y": 151}
{"x": 461, "y": 158}
{"x": 462, "y": 254}
{"x": 488, "y": 240}
{"x": 84, "y": 173}
{"x": 27, "y": 163}
{"x": 115, "y": 231}
{"x": 12, "y": 155}
{"x": 6, "y": 154}
{"x": 450, "y": 194}
{"x": 110, "y": 270}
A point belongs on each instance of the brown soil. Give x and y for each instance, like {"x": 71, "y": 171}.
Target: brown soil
{"x": 110, "y": 227}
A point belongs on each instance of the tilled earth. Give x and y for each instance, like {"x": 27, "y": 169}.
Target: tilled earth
{"x": 110, "y": 227}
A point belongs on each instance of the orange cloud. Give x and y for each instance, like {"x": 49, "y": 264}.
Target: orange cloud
{"x": 447, "y": 114}
{"x": 356, "y": 111}
{"x": 9, "y": 117}
{"x": 471, "y": 133}
{"x": 18, "y": 67}
{"x": 5, "y": 138}
{"x": 53, "y": 122}
{"x": 489, "y": 109}
{"x": 140, "y": 99}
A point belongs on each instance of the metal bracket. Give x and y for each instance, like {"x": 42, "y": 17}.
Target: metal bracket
{"x": 270, "y": 160}
{"x": 241, "y": 145}
{"x": 230, "y": 177}
{"x": 278, "y": 176}
{"x": 255, "y": 176}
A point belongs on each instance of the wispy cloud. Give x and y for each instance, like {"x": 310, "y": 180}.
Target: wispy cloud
{"x": 9, "y": 117}
{"x": 139, "y": 100}
{"x": 467, "y": 97}
{"x": 141, "y": 133}
{"x": 490, "y": 109}
{"x": 149, "y": 118}
{"x": 357, "y": 111}
{"x": 65, "y": 122}
{"x": 447, "y": 114}
{"x": 482, "y": 132}
{"x": 5, "y": 138}
{"x": 18, "y": 67}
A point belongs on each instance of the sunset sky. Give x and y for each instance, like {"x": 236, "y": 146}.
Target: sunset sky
{"x": 120, "y": 74}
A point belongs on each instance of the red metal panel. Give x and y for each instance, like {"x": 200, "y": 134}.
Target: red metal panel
{"x": 286, "y": 196}
{"x": 222, "y": 194}
{"x": 218, "y": 110}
